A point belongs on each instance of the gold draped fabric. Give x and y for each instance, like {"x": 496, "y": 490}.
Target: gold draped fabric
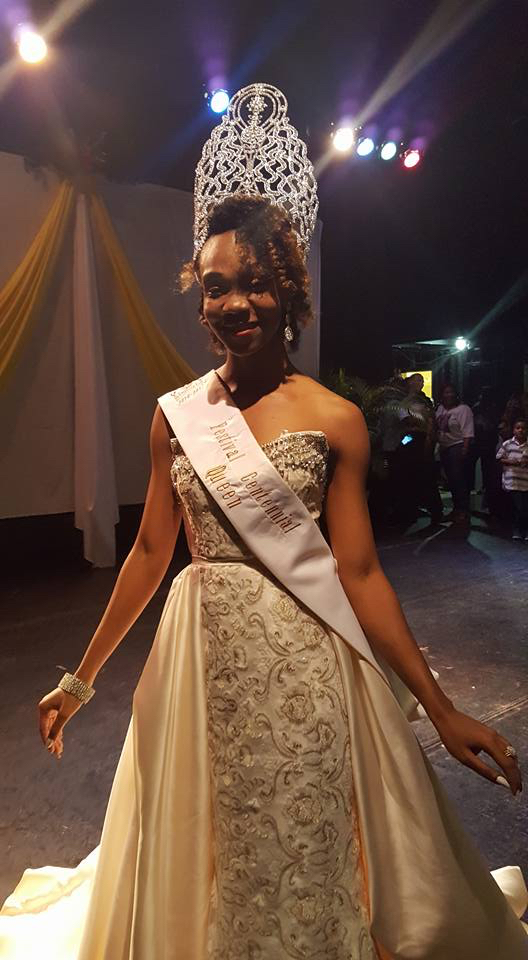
{"x": 23, "y": 295}
{"x": 165, "y": 367}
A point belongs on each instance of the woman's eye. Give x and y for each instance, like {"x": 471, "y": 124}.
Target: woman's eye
{"x": 213, "y": 292}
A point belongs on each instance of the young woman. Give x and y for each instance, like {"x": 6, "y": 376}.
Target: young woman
{"x": 271, "y": 800}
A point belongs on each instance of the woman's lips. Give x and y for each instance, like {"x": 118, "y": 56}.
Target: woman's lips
{"x": 241, "y": 330}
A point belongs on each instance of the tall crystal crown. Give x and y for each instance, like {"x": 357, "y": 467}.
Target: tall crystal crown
{"x": 255, "y": 150}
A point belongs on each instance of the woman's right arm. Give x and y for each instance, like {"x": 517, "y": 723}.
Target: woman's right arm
{"x": 138, "y": 580}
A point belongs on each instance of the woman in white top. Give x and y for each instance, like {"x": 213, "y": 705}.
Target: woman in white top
{"x": 455, "y": 426}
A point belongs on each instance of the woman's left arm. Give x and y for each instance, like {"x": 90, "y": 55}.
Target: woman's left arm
{"x": 376, "y": 605}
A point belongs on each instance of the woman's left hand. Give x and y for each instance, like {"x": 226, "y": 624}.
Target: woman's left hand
{"x": 465, "y": 738}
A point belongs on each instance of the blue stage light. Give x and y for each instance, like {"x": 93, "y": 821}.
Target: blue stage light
{"x": 365, "y": 146}
{"x": 219, "y": 101}
{"x": 388, "y": 150}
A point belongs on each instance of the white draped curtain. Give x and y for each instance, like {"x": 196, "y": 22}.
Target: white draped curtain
{"x": 95, "y": 494}
{"x": 75, "y": 418}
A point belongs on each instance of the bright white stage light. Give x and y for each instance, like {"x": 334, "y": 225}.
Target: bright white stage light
{"x": 411, "y": 159}
{"x": 365, "y": 147}
{"x": 219, "y": 101}
{"x": 31, "y": 46}
{"x": 343, "y": 139}
{"x": 461, "y": 343}
{"x": 388, "y": 150}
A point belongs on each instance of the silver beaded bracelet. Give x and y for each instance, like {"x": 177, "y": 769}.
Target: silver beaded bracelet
{"x": 78, "y": 688}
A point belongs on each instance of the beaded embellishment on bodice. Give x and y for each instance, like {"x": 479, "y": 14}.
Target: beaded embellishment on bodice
{"x": 301, "y": 458}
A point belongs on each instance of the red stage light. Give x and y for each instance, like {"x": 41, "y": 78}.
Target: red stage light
{"x": 411, "y": 158}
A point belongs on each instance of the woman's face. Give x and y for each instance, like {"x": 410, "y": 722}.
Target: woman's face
{"x": 241, "y": 302}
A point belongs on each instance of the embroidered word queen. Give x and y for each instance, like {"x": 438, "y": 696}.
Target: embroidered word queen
{"x": 216, "y": 476}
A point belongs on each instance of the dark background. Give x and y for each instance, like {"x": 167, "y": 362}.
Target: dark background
{"x": 407, "y": 255}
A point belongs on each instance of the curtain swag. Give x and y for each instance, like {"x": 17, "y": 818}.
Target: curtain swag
{"x": 23, "y": 296}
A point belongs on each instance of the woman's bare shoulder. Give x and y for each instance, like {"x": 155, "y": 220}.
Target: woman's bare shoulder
{"x": 161, "y": 431}
{"x": 340, "y": 419}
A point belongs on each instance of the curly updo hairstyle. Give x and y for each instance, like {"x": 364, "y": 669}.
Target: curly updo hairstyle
{"x": 265, "y": 230}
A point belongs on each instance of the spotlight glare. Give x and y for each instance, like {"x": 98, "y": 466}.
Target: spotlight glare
{"x": 365, "y": 147}
{"x": 388, "y": 150}
{"x": 31, "y": 46}
{"x": 411, "y": 159}
{"x": 343, "y": 139}
{"x": 461, "y": 343}
{"x": 219, "y": 101}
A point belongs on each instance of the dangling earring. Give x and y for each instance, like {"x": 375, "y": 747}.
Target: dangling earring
{"x": 288, "y": 332}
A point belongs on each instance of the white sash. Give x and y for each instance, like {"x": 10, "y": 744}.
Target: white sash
{"x": 268, "y": 515}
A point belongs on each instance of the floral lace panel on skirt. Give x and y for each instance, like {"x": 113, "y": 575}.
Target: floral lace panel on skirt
{"x": 289, "y": 873}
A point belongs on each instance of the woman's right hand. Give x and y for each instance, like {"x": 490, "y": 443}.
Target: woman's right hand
{"x": 55, "y": 709}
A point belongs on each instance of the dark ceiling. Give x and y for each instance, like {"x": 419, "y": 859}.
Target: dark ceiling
{"x": 421, "y": 254}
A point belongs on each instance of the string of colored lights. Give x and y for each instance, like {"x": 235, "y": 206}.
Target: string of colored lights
{"x": 33, "y": 50}
{"x": 347, "y": 139}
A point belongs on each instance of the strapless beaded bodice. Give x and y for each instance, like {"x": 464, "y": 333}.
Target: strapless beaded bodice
{"x": 300, "y": 457}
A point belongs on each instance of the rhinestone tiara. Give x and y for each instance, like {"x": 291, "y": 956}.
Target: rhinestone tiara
{"x": 255, "y": 150}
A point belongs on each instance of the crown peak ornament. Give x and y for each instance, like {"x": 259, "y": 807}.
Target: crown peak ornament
{"x": 256, "y": 151}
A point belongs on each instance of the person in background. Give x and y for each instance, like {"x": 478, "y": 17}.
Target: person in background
{"x": 504, "y": 433}
{"x": 486, "y": 416}
{"x": 504, "y": 511}
{"x": 393, "y": 503}
{"x": 513, "y": 455}
{"x": 421, "y": 428}
{"x": 516, "y": 409}
{"x": 454, "y": 421}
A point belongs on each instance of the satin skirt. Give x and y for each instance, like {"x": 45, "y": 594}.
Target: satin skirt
{"x": 237, "y": 770}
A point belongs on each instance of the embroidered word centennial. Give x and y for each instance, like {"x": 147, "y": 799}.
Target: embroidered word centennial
{"x": 230, "y": 492}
